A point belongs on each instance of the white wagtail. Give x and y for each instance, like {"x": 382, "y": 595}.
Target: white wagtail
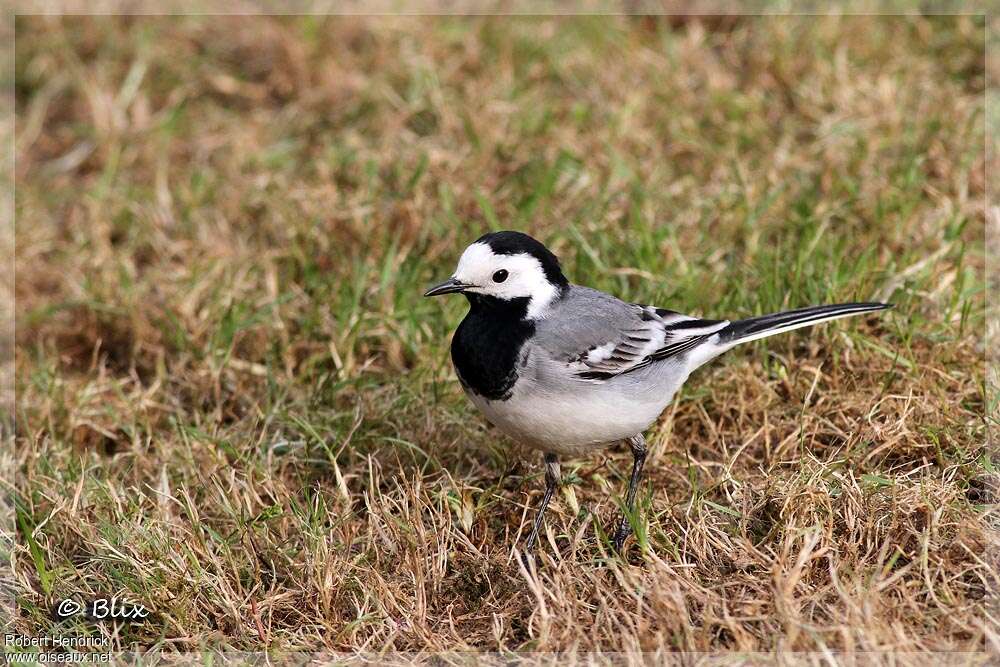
{"x": 567, "y": 369}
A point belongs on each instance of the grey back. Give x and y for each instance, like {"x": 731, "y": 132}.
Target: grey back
{"x": 583, "y": 319}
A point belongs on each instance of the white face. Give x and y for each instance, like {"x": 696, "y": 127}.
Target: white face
{"x": 484, "y": 270}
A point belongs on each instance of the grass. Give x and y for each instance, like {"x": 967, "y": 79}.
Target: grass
{"x": 234, "y": 406}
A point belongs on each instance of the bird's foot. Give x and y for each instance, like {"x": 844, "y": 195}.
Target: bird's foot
{"x": 618, "y": 541}
{"x": 532, "y": 561}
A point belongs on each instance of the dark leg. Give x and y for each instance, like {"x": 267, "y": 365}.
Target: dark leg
{"x": 638, "y": 445}
{"x": 551, "y": 482}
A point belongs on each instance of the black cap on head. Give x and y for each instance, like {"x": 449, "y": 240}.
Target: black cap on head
{"x": 515, "y": 243}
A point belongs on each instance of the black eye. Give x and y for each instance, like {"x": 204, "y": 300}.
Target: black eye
{"x": 500, "y": 276}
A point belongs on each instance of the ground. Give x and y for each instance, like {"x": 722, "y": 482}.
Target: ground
{"x": 234, "y": 406}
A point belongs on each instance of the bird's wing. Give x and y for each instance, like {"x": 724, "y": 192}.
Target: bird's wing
{"x": 659, "y": 334}
{"x": 600, "y": 337}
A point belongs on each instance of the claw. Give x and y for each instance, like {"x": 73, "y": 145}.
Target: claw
{"x": 618, "y": 541}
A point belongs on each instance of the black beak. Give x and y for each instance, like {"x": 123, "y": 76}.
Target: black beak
{"x": 447, "y": 287}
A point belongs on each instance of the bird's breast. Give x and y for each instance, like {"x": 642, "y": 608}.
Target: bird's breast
{"x": 486, "y": 351}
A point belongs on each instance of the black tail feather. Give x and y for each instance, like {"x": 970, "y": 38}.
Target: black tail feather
{"x": 794, "y": 318}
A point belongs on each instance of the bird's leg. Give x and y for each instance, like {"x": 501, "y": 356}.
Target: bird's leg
{"x": 551, "y": 482}
{"x": 638, "y": 445}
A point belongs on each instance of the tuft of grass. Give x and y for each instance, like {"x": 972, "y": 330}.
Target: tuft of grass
{"x": 234, "y": 407}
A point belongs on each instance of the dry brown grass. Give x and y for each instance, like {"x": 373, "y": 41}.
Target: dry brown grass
{"x": 234, "y": 407}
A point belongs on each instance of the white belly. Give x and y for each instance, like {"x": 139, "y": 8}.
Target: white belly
{"x": 578, "y": 417}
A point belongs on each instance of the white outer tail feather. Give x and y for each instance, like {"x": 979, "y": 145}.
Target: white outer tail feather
{"x": 759, "y": 327}
{"x": 796, "y": 325}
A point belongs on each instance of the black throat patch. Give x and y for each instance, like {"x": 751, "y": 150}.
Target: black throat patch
{"x": 487, "y": 345}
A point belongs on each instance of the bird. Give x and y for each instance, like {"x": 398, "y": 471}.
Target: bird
{"x": 567, "y": 369}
